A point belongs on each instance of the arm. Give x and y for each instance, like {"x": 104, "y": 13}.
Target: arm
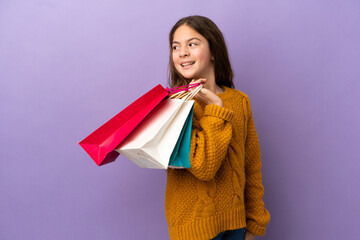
{"x": 210, "y": 139}
{"x": 257, "y": 216}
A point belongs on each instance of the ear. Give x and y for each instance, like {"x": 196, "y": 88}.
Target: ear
{"x": 212, "y": 58}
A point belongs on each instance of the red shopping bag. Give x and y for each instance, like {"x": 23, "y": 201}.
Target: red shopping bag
{"x": 101, "y": 143}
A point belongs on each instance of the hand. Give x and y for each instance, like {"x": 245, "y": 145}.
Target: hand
{"x": 205, "y": 95}
{"x": 249, "y": 236}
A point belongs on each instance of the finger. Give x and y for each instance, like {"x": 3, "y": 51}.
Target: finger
{"x": 194, "y": 81}
{"x": 200, "y": 80}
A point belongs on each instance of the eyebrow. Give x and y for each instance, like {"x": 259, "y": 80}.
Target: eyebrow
{"x": 194, "y": 38}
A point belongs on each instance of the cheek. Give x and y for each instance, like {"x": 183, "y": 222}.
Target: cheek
{"x": 203, "y": 55}
{"x": 175, "y": 60}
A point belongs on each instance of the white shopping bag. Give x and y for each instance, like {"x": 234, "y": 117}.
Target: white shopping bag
{"x": 152, "y": 142}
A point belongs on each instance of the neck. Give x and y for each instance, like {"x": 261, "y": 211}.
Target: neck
{"x": 212, "y": 86}
{"x": 211, "y": 83}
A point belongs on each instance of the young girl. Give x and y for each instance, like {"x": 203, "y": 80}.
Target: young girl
{"x": 220, "y": 196}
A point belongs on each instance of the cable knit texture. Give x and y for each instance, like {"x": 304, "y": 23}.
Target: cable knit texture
{"x": 223, "y": 188}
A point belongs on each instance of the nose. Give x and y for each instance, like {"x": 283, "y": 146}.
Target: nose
{"x": 184, "y": 52}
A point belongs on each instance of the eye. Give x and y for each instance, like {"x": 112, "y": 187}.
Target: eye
{"x": 175, "y": 47}
{"x": 192, "y": 44}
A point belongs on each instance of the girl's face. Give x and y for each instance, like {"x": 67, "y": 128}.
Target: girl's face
{"x": 191, "y": 54}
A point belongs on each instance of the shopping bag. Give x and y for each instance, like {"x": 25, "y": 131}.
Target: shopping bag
{"x": 180, "y": 157}
{"x": 152, "y": 143}
{"x": 101, "y": 143}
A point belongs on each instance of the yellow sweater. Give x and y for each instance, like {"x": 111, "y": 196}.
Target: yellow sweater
{"x": 223, "y": 189}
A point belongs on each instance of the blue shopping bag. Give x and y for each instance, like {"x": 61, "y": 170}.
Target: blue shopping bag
{"x": 180, "y": 157}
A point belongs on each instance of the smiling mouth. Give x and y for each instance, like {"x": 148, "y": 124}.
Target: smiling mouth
{"x": 187, "y": 64}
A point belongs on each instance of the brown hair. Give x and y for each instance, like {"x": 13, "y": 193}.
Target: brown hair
{"x": 208, "y": 29}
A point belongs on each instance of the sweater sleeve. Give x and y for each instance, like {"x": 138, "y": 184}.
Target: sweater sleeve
{"x": 209, "y": 141}
{"x": 257, "y": 217}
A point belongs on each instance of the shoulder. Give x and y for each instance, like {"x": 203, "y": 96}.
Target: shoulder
{"x": 235, "y": 94}
{"x": 239, "y": 98}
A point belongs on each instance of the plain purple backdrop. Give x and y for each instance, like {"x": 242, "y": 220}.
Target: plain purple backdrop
{"x": 66, "y": 67}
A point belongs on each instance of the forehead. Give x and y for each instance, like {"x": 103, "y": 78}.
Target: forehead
{"x": 184, "y": 33}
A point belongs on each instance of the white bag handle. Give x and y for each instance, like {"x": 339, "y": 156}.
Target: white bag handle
{"x": 185, "y": 95}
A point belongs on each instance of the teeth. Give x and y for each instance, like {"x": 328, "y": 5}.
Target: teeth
{"x": 186, "y": 64}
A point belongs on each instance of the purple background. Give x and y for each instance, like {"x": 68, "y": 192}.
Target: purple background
{"x": 68, "y": 66}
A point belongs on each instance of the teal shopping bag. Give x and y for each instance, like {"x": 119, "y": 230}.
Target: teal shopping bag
{"x": 180, "y": 157}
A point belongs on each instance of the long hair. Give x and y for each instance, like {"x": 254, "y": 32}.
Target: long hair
{"x": 208, "y": 29}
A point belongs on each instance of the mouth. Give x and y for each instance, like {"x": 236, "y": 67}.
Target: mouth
{"x": 185, "y": 64}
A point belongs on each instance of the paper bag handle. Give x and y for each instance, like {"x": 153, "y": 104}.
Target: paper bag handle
{"x": 185, "y": 95}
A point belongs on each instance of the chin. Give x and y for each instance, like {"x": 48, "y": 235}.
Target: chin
{"x": 188, "y": 75}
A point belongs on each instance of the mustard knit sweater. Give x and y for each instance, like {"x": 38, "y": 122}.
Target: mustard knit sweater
{"x": 223, "y": 188}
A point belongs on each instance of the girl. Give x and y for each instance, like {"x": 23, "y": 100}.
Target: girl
{"x": 220, "y": 196}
